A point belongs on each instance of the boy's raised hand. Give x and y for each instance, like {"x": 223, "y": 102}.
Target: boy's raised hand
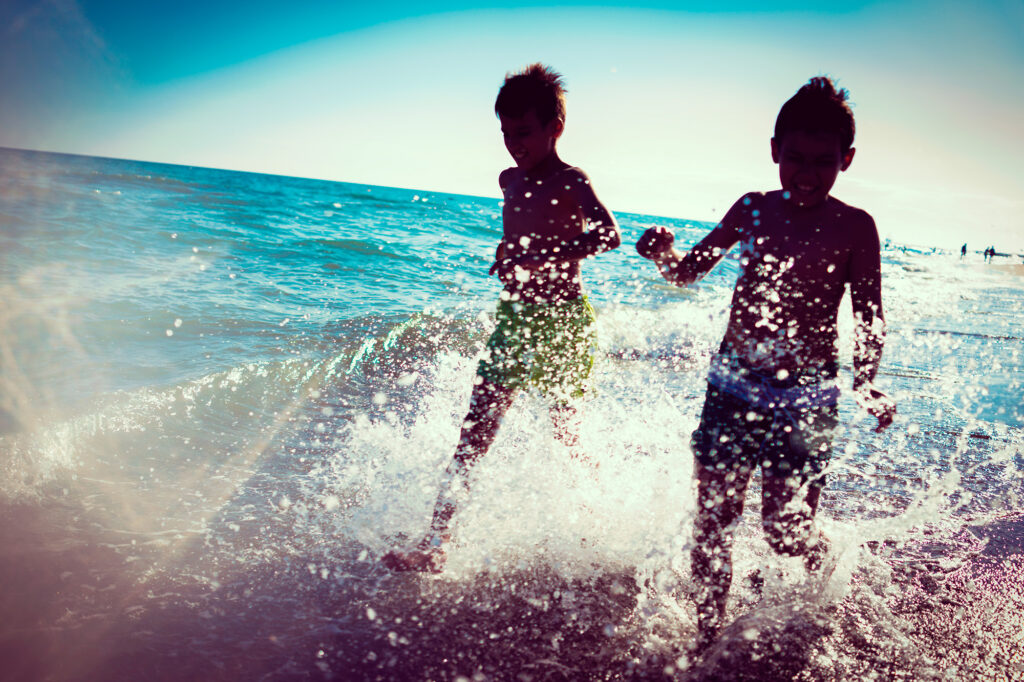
{"x": 504, "y": 268}
{"x": 504, "y": 265}
{"x": 655, "y": 241}
{"x": 499, "y": 256}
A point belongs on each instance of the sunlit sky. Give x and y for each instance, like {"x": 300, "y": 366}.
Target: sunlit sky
{"x": 670, "y": 105}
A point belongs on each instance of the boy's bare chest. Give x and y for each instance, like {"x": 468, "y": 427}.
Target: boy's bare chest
{"x": 545, "y": 210}
{"x": 795, "y": 252}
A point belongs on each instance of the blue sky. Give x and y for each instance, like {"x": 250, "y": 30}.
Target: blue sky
{"x": 670, "y": 105}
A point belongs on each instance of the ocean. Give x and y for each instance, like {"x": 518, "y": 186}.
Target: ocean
{"x": 225, "y": 395}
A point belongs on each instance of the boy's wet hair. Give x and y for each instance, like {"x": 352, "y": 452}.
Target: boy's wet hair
{"x": 536, "y": 87}
{"x": 818, "y": 107}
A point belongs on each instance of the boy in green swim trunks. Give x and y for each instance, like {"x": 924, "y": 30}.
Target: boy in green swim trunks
{"x": 771, "y": 397}
{"x": 544, "y": 336}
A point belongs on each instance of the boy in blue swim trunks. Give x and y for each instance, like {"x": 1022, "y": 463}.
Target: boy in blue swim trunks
{"x": 771, "y": 397}
{"x": 544, "y": 335}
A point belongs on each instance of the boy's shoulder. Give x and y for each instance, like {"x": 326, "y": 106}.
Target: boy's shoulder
{"x": 846, "y": 210}
{"x": 856, "y": 221}
{"x": 833, "y": 224}
{"x": 507, "y": 176}
{"x": 569, "y": 177}
{"x": 575, "y": 179}
{"x": 576, "y": 172}
{"x": 832, "y": 211}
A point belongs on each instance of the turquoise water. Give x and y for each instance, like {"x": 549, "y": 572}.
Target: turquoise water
{"x": 225, "y": 395}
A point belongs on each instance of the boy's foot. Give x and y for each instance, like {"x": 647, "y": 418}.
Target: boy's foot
{"x": 710, "y": 619}
{"x": 429, "y": 560}
{"x": 755, "y": 581}
{"x": 428, "y": 557}
{"x": 820, "y": 573}
{"x": 706, "y": 636}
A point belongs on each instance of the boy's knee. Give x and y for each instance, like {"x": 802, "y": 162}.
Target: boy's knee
{"x": 787, "y": 534}
{"x": 707, "y": 561}
{"x": 715, "y": 525}
{"x": 786, "y": 545}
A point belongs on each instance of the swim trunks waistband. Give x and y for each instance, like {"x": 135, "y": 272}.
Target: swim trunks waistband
{"x": 810, "y": 390}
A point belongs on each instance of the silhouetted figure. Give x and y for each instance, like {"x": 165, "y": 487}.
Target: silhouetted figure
{"x": 772, "y": 395}
{"x": 544, "y": 333}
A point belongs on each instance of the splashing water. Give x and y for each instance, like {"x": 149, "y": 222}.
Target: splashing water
{"x": 225, "y": 395}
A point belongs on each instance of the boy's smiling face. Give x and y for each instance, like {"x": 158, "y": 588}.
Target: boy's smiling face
{"x": 809, "y": 164}
{"x": 527, "y": 139}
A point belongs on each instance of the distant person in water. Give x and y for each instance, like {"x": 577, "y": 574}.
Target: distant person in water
{"x": 544, "y": 332}
{"x": 772, "y": 392}
{"x": 963, "y": 251}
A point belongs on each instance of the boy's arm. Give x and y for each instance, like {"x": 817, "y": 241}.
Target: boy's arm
{"x": 682, "y": 269}
{"x": 504, "y": 178}
{"x": 869, "y": 322}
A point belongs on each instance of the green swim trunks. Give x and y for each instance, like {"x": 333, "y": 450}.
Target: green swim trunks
{"x": 547, "y": 345}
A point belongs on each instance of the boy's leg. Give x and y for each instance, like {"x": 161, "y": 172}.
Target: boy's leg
{"x": 566, "y": 423}
{"x": 564, "y": 340}
{"x": 487, "y": 405}
{"x": 788, "y": 506}
{"x": 720, "y": 496}
{"x": 792, "y": 485}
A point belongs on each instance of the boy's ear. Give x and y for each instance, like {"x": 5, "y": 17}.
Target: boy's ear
{"x": 557, "y": 127}
{"x": 848, "y": 158}
{"x": 775, "y": 151}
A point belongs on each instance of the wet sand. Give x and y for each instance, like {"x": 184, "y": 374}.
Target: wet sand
{"x": 974, "y": 615}
{"x": 960, "y": 600}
